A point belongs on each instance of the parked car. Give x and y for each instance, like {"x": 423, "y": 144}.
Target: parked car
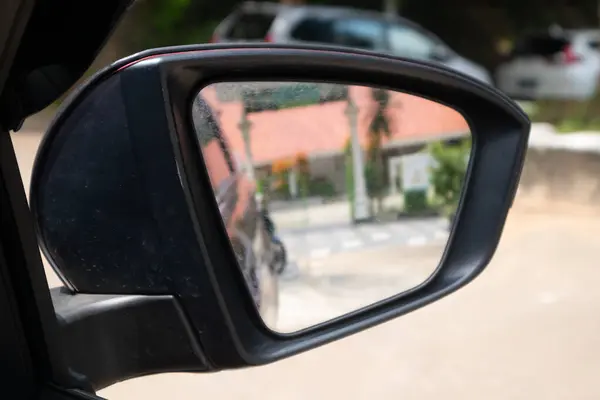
{"x": 552, "y": 65}
{"x": 251, "y": 239}
{"x": 341, "y": 26}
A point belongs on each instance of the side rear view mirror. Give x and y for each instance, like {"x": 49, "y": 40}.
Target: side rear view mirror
{"x": 172, "y": 260}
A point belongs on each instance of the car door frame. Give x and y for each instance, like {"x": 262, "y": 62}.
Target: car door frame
{"x": 32, "y": 360}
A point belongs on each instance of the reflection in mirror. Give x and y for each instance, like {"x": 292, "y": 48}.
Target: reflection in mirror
{"x": 334, "y": 197}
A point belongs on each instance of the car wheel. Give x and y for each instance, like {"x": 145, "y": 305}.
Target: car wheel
{"x": 280, "y": 257}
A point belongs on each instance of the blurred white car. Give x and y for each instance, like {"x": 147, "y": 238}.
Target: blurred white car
{"x": 341, "y": 26}
{"x": 556, "y": 65}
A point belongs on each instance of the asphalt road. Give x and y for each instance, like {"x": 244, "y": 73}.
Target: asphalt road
{"x": 321, "y": 241}
{"x": 345, "y": 282}
{"x": 527, "y": 328}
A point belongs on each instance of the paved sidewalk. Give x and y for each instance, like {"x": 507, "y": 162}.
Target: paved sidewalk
{"x": 318, "y": 242}
{"x": 298, "y": 214}
{"x": 544, "y": 136}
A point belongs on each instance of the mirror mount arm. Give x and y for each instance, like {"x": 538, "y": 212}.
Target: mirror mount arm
{"x": 109, "y": 338}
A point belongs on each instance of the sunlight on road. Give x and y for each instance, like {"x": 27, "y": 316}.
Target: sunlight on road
{"x": 527, "y": 328}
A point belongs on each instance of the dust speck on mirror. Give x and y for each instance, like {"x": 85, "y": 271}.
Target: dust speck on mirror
{"x": 335, "y": 197}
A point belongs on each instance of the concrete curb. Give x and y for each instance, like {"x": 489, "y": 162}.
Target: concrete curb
{"x": 561, "y": 172}
{"x": 544, "y": 136}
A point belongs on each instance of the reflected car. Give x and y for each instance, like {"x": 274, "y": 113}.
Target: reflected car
{"x": 242, "y": 213}
{"x": 342, "y": 26}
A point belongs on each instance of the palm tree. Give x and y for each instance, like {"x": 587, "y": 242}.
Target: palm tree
{"x": 379, "y": 128}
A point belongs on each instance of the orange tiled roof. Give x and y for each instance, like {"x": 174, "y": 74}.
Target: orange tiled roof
{"x": 325, "y": 128}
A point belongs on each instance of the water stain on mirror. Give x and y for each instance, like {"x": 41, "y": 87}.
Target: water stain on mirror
{"x": 335, "y": 197}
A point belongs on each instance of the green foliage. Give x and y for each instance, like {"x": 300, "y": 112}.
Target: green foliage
{"x": 322, "y": 187}
{"x": 568, "y": 115}
{"x": 307, "y": 186}
{"x": 162, "y": 22}
{"x": 303, "y": 179}
{"x": 281, "y": 185}
{"x": 349, "y": 175}
{"x": 379, "y": 128}
{"x": 448, "y": 173}
{"x": 157, "y": 23}
{"x": 260, "y": 185}
{"x": 375, "y": 179}
{"x": 415, "y": 201}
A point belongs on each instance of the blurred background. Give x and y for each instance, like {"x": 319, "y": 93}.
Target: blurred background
{"x": 541, "y": 52}
{"x": 529, "y": 326}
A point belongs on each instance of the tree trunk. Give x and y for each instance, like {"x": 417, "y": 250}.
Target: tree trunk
{"x": 380, "y": 176}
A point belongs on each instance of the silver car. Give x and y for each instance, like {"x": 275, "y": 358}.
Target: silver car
{"x": 341, "y": 26}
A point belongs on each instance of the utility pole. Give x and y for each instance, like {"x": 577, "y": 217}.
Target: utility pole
{"x": 361, "y": 201}
{"x": 245, "y": 126}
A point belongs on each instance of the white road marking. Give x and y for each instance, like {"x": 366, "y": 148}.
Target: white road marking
{"x": 417, "y": 241}
{"x": 352, "y": 244}
{"x": 319, "y": 253}
{"x": 379, "y": 236}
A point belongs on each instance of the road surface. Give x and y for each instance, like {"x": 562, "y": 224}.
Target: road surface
{"x": 336, "y": 268}
{"x": 322, "y": 241}
{"x": 527, "y": 328}
{"x": 348, "y": 281}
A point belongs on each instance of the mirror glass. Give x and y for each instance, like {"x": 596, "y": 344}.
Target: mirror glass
{"x": 335, "y": 197}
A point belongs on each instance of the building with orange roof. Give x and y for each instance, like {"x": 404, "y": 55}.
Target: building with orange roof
{"x": 321, "y": 131}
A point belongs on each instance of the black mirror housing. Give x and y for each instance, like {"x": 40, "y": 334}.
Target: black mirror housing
{"x": 170, "y": 250}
